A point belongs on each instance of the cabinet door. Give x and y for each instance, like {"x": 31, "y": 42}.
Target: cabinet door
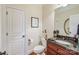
{"x": 51, "y": 52}
{"x": 63, "y": 52}
{"x": 52, "y": 46}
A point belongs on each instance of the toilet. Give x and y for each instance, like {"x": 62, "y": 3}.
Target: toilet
{"x": 40, "y": 49}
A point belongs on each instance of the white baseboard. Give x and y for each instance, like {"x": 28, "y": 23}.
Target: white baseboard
{"x": 29, "y": 51}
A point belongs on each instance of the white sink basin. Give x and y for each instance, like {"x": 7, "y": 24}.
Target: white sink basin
{"x": 63, "y": 42}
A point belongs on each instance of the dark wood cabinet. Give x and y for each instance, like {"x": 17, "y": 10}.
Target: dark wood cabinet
{"x": 55, "y": 49}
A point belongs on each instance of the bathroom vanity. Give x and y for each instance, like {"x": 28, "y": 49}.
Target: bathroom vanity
{"x": 56, "y": 48}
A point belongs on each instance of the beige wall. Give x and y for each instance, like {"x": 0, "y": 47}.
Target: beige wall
{"x": 48, "y": 19}
{"x": 31, "y": 33}
{"x": 61, "y": 14}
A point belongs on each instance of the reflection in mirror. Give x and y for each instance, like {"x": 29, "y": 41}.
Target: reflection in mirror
{"x": 62, "y": 14}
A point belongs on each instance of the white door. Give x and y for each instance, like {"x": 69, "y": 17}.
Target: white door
{"x": 15, "y": 33}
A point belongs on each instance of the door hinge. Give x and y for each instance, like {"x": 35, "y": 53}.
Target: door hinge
{"x": 6, "y": 34}
{"x": 6, "y": 12}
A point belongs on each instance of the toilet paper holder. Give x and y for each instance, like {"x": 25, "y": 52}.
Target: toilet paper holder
{"x": 29, "y": 41}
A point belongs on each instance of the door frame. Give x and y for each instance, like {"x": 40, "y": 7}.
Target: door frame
{"x": 3, "y": 36}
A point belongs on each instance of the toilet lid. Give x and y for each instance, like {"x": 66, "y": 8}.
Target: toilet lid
{"x": 39, "y": 49}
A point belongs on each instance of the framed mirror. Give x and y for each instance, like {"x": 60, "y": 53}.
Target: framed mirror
{"x": 66, "y": 26}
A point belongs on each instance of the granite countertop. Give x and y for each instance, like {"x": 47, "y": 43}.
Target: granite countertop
{"x": 63, "y": 45}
